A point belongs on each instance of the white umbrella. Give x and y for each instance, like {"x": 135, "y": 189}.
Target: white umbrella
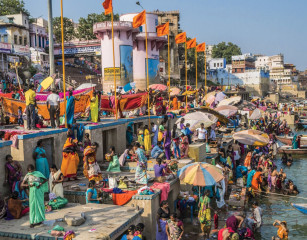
{"x": 256, "y": 114}
{"x": 227, "y": 110}
{"x": 219, "y": 97}
{"x": 230, "y": 101}
{"x": 196, "y": 118}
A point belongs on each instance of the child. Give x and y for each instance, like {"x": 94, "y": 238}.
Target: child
{"x": 20, "y": 120}
{"x": 188, "y": 133}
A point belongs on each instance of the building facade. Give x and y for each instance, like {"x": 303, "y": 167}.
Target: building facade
{"x": 216, "y": 63}
{"x": 241, "y": 63}
{"x": 130, "y": 52}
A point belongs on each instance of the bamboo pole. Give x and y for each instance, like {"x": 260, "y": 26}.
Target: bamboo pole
{"x": 186, "y": 79}
{"x": 205, "y": 74}
{"x": 114, "y": 75}
{"x": 147, "y": 75}
{"x": 63, "y": 61}
{"x": 196, "y": 75}
{"x": 169, "y": 73}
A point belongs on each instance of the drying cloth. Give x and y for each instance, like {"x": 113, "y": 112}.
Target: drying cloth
{"x": 164, "y": 187}
{"x": 123, "y": 198}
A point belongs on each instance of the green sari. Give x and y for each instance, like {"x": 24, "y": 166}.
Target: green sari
{"x": 204, "y": 214}
{"x": 94, "y": 110}
{"x": 36, "y": 198}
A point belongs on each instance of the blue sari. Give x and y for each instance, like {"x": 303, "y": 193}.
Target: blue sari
{"x": 250, "y": 178}
{"x": 70, "y": 109}
{"x": 295, "y": 142}
{"x": 42, "y": 162}
{"x": 141, "y": 168}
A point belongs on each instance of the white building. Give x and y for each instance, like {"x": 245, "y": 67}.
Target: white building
{"x": 216, "y": 63}
{"x": 262, "y": 62}
{"x": 209, "y": 49}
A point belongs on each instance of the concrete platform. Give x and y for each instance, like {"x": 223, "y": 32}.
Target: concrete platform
{"x": 110, "y": 222}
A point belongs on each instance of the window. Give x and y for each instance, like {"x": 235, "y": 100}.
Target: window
{"x": 214, "y": 64}
{"x": 25, "y": 41}
{"x": 5, "y": 38}
{"x": 15, "y": 39}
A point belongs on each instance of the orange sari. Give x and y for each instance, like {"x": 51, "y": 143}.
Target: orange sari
{"x": 247, "y": 161}
{"x": 175, "y": 103}
{"x": 70, "y": 159}
{"x": 257, "y": 179}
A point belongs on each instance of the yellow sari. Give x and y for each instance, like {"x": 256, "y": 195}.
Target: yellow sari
{"x": 92, "y": 170}
{"x": 94, "y": 110}
{"x": 70, "y": 159}
{"x": 147, "y": 140}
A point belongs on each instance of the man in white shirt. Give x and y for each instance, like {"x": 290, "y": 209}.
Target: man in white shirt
{"x": 257, "y": 216}
{"x": 202, "y": 133}
{"x": 53, "y": 105}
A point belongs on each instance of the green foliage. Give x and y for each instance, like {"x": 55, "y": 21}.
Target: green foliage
{"x": 223, "y": 50}
{"x": 8, "y": 7}
{"x": 69, "y": 31}
{"x": 85, "y": 28}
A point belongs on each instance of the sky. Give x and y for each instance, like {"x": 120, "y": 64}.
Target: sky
{"x": 265, "y": 27}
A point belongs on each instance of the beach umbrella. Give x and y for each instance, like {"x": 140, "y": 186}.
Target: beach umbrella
{"x": 189, "y": 93}
{"x": 252, "y": 137}
{"x": 197, "y": 118}
{"x": 227, "y": 110}
{"x": 219, "y": 97}
{"x": 159, "y": 87}
{"x": 200, "y": 174}
{"x": 256, "y": 114}
{"x": 210, "y": 94}
{"x": 174, "y": 91}
{"x": 45, "y": 84}
{"x": 220, "y": 116}
{"x": 230, "y": 101}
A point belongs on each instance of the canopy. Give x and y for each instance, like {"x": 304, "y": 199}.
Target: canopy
{"x": 227, "y": 110}
{"x": 160, "y": 87}
{"x": 200, "y": 174}
{"x": 220, "y": 117}
{"x": 219, "y": 97}
{"x": 205, "y": 98}
{"x": 252, "y": 137}
{"x": 230, "y": 101}
{"x": 196, "y": 118}
{"x": 174, "y": 91}
{"x": 189, "y": 93}
{"x": 45, "y": 84}
{"x": 256, "y": 114}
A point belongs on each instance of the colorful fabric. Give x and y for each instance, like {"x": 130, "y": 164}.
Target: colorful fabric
{"x": 94, "y": 195}
{"x": 13, "y": 174}
{"x": 204, "y": 214}
{"x": 10, "y": 106}
{"x": 123, "y": 198}
{"x": 256, "y": 180}
{"x": 147, "y": 140}
{"x": 174, "y": 229}
{"x": 42, "y": 162}
{"x": 114, "y": 165}
{"x": 56, "y": 188}
{"x": 164, "y": 187}
{"x": 141, "y": 168}
{"x": 92, "y": 171}
{"x": 70, "y": 159}
{"x": 22, "y": 195}
{"x": 162, "y": 235}
{"x": 30, "y": 97}
{"x": 94, "y": 109}
{"x": 70, "y": 109}
{"x": 36, "y": 198}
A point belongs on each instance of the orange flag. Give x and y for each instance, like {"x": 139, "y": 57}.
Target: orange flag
{"x": 107, "y": 5}
{"x": 163, "y": 29}
{"x": 201, "y": 47}
{"x": 191, "y": 43}
{"x": 139, "y": 19}
{"x": 181, "y": 38}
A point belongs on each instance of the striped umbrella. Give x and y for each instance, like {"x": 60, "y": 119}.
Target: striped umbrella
{"x": 200, "y": 174}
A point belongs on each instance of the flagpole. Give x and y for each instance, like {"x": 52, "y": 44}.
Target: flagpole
{"x": 196, "y": 74}
{"x": 63, "y": 62}
{"x": 169, "y": 74}
{"x": 115, "y": 100}
{"x": 186, "y": 79}
{"x": 147, "y": 76}
{"x": 205, "y": 73}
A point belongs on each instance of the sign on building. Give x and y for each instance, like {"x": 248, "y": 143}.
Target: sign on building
{"x": 109, "y": 74}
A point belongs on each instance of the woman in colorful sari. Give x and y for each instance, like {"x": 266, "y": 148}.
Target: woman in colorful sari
{"x": 295, "y": 142}
{"x": 174, "y": 228}
{"x": 184, "y": 148}
{"x": 163, "y": 216}
{"x": 114, "y": 164}
{"x": 247, "y": 161}
{"x": 56, "y": 180}
{"x": 141, "y": 168}
{"x": 12, "y": 172}
{"x": 91, "y": 193}
{"x": 41, "y": 161}
{"x": 94, "y": 108}
{"x": 70, "y": 159}
{"x": 167, "y": 140}
{"x": 204, "y": 214}
{"x": 37, "y": 184}
{"x": 147, "y": 139}
{"x": 70, "y": 108}
{"x": 141, "y": 137}
{"x": 91, "y": 169}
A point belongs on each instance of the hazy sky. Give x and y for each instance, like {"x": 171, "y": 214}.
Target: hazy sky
{"x": 258, "y": 26}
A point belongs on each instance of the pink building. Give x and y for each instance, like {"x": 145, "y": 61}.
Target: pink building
{"x": 130, "y": 52}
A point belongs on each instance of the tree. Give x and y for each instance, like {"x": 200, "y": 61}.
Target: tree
{"x": 69, "y": 31}
{"x": 223, "y": 50}
{"x": 8, "y": 7}
{"x": 85, "y": 28}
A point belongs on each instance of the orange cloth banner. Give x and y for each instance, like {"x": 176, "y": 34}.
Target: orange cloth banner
{"x": 139, "y": 19}
{"x": 201, "y": 47}
{"x": 191, "y": 43}
{"x": 163, "y": 29}
{"x": 181, "y": 38}
{"x": 107, "y": 5}
{"x": 10, "y": 106}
